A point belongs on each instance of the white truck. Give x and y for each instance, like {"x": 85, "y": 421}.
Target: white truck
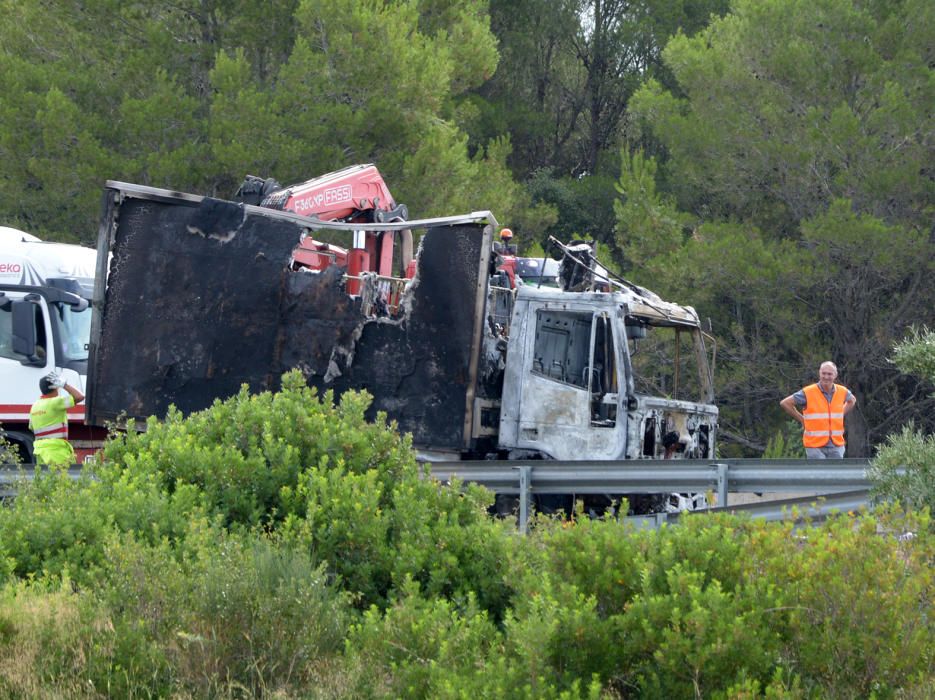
{"x": 45, "y": 322}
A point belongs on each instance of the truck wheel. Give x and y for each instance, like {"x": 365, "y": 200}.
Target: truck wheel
{"x": 506, "y": 506}
{"x": 647, "y": 503}
{"x": 19, "y": 450}
{"x": 555, "y": 504}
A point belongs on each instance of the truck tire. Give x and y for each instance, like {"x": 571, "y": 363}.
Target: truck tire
{"x": 21, "y": 445}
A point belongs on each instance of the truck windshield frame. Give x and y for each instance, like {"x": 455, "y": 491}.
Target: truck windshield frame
{"x": 670, "y": 361}
{"x": 603, "y": 383}
{"x": 74, "y": 332}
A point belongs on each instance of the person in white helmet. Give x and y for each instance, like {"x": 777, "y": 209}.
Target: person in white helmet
{"x": 48, "y": 420}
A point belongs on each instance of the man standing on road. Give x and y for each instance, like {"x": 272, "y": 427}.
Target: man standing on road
{"x": 822, "y": 418}
{"x": 48, "y": 420}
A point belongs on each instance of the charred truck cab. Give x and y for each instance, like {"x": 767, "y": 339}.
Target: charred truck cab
{"x": 471, "y": 368}
{"x": 578, "y": 379}
{"x": 599, "y": 375}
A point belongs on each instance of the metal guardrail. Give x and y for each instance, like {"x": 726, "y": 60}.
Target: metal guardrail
{"x": 12, "y": 474}
{"x": 527, "y": 478}
{"x": 840, "y": 485}
{"x": 805, "y": 508}
{"x": 656, "y": 476}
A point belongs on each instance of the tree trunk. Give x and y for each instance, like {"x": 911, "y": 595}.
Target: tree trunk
{"x": 858, "y": 442}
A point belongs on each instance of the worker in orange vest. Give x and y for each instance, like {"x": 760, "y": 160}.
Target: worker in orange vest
{"x": 824, "y": 406}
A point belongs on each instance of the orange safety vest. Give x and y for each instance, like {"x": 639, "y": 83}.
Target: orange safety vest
{"x": 823, "y": 420}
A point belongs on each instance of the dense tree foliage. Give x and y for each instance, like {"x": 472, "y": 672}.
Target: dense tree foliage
{"x": 567, "y": 72}
{"x": 904, "y": 467}
{"x": 799, "y": 143}
{"x": 279, "y": 546}
{"x": 195, "y": 95}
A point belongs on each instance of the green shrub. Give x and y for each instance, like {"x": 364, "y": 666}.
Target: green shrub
{"x": 697, "y": 636}
{"x": 601, "y": 557}
{"x": 244, "y": 454}
{"x": 9, "y": 453}
{"x": 259, "y": 617}
{"x": 904, "y": 469}
{"x": 711, "y": 546}
{"x": 909, "y": 451}
{"x": 347, "y": 490}
{"x": 915, "y": 354}
{"x": 54, "y": 643}
{"x": 857, "y": 594}
{"x": 717, "y": 603}
{"x": 785, "y": 443}
{"x": 279, "y": 546}
{"x": 376, "y": 535}
{"x": 656, "y": 613}
{"x": 229, "y": 617}
{"x": 56, "y": 524}
{"x": 418, "y": 647}
{"x": 554, "y": 642}
{"x": 232, "y": 614}
{"x": 345, "y": 523}
{"x": 321, "y": 477}
{"x": 779, "y": 688}
{"x": 444, "y": 540}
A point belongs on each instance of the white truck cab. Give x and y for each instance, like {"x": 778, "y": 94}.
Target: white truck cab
{"x": 45, "y": 322}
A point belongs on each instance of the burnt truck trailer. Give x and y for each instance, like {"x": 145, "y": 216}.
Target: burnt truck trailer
{"x": 196, "y": 296}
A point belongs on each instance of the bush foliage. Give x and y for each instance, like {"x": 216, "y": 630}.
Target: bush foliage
{"x": 904, "y": 467}
{"x": 280, "y": 546}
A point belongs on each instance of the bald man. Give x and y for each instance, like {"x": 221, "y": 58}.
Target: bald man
{"x": 823, "y": 407}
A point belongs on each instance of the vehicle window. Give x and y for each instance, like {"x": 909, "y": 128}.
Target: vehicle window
{"x": 562, "y": 344}
{"x": 76, "y": 332}
{"x": 6, "y": 336}
{"x": 533, "y": 272}
{"x": 603, "y": 386}
{"x": 41, "y": 340}
{"x": 665, "y": 364}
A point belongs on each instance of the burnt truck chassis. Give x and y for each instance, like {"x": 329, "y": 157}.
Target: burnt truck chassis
{"x": 195, "y": 297}
{"x": 198, "y": 298}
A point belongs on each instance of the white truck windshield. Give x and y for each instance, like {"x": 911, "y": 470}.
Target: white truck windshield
{"x": 75, "y": 332}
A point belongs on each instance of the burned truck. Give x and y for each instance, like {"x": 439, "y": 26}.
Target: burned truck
{"x": 196, "y": 296}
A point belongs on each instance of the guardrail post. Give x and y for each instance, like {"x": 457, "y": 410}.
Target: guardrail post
{"x": 721, "y": 484}
{"x": 523, "y": 498}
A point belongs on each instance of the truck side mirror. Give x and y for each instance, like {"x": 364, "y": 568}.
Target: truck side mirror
{"x": 24, "y": 333}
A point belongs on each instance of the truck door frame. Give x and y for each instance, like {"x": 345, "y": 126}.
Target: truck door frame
{"x": 556, "y": 415}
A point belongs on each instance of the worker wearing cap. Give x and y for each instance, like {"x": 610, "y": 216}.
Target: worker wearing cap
{"x": 824, "y": 406}
{"x": 505, "y": 247}
{"x": 48, "y": 420}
